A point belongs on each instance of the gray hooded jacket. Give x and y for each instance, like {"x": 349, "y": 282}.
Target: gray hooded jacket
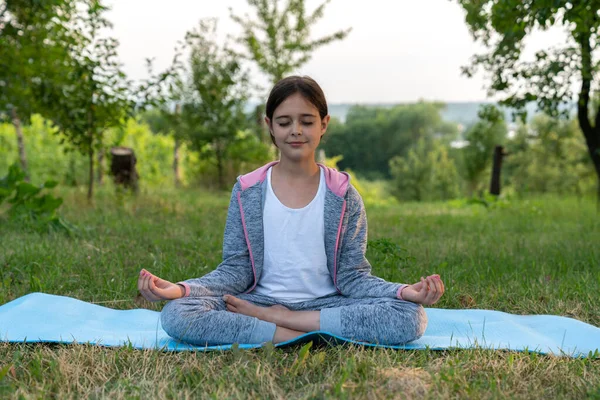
{"x": 243, "y": 244}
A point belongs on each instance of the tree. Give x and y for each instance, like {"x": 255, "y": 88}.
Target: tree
{"x": 217, "y": 91}
{"x": 488, "y": 132}
{"x": 278, "y": 39}
{"x": 33, "y": 41}
{"x": 503, "y": 26}
{"x": 425, "y": 173}
{"x": 164, "y": 121}
{"x": 549, "y": 155}
{"x": 92, "y": 94}
{"x": 372, "y": 136}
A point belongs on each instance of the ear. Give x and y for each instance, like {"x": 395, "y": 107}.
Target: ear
{"x": 324, "y": 124}
{"x": 268, "y": 122}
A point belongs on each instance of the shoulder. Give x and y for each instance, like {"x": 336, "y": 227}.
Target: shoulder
{"x": 338, "y": 182}
{"x": 354, "y": 200}
{"x": 252, "y": 178}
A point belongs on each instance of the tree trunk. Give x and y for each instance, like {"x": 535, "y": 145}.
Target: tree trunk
{"x": 20, "y": 142}
{"x": 593, "y": 144}
{"x": 176, "y": 172}
{"x": 101, "y": 167}
{"x": 91, "y": 180}
{"x": 496, "y": 169}
{"x": 122, "y": 167}
{"x": 219, "y": 165}
{"x": 591, "y": 133}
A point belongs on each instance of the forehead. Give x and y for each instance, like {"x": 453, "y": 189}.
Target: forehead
{"x": 295, "y": 105}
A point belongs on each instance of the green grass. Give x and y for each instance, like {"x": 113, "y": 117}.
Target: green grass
{"x": 537, "y": 256}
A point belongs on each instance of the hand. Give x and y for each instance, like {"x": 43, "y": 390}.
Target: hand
{"x": 427, "y": 292}
{"x": 155, "y": 289}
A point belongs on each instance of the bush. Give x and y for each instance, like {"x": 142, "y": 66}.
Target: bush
{"x": 426, "y": 173}
{"x": 550, "y": 156}
{"x": 28, "y": 206}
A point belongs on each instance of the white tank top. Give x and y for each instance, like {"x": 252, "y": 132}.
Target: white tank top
{"x": 295, "y": 263}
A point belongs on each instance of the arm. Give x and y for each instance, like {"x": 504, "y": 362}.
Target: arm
{"x": 234, "y": 275}
{"x": 354, "y": 270}
{"x": 354, "y": 277}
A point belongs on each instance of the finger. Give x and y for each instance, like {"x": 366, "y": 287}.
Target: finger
{"x": 436, "y": 288}
{"x": 147, "y": 282}
{"x": 140, "y": 280}
{"x": 148, "y": 295}
{"x": 433, "y": 282}
{"x": 440, "y": 286}
{"x": 161, "y": 283}
{"x": 154, "y": 290}
{"x": 146, "y": 292}
{"x": 146, "y": 288}
{"x": 432, "y": 293}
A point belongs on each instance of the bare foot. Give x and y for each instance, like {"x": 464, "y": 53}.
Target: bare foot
{"x": 273, "y": 314}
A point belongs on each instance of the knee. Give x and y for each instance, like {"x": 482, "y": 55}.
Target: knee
{"x": 413, "y": 320}
{"x": 171, "y": 318}
{"x": 178, "y": 316}
{"x": 420, "y": 321}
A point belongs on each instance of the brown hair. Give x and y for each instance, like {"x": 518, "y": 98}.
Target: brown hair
{"x": 305, "y": 85}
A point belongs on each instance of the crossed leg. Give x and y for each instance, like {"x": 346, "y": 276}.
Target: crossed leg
{"x": 290, "y": 324}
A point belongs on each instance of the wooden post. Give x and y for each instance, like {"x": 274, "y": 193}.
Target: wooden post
{"x": 496, "y": 169}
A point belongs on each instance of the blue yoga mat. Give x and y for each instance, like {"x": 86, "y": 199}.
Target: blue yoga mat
{"x": 39, "y": 317}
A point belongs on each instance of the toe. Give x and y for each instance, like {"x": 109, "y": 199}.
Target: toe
{"x": 233, "y": 300}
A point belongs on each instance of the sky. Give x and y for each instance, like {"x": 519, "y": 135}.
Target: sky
{"x": 397, "y": 51}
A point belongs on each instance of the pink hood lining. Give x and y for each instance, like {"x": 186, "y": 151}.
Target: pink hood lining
{"x": 336, "y": 181}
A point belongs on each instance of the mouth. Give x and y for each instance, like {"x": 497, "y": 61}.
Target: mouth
{"x": 296, "y": 143}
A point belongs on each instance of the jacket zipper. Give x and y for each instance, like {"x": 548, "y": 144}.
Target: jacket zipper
{"x": 247, "y": 241}
{"x": 337, "y": 242}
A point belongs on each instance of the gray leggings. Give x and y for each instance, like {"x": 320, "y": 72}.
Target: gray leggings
{"x": 206, "y": 321}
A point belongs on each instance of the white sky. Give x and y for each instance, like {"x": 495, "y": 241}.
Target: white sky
{"x": 398, "y": 50}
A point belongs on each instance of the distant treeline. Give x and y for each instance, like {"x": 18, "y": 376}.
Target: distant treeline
{"x": 406, "y": 147}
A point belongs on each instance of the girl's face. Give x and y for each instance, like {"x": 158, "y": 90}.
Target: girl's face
{"x": 297, "y": 128}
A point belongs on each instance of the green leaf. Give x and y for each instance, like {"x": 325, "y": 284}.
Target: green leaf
{"x": 25, "y": 189}
{"x": 50, "y": 184}
{"x": 49, "y": 203}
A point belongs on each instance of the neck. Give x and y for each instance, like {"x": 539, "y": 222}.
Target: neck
{"x": 297, "y": 169}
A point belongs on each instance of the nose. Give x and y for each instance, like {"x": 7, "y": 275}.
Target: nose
{"x": 297, "y": 129}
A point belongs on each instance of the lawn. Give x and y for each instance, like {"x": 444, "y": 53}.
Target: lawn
{"x": 524, "y": 256}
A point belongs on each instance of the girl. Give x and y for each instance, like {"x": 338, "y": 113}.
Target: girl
{"x": 293, "y": 251}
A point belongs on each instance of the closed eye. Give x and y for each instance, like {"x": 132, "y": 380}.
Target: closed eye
{"x": 306, "y": 123}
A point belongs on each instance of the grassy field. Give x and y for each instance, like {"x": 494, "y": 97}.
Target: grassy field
{"x": 537, "y": 256}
